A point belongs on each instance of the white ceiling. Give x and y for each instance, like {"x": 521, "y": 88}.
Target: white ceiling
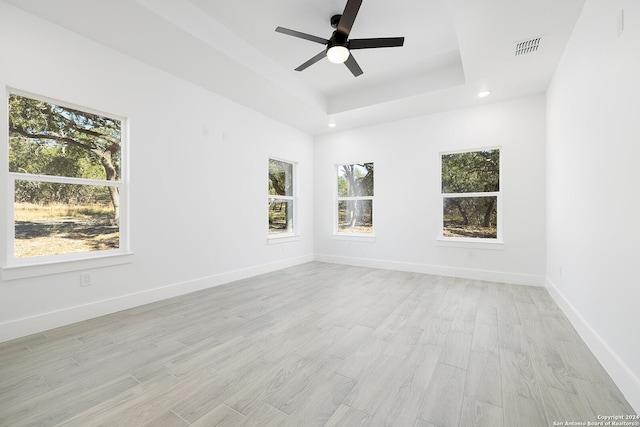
{"x": 453, "y": 49}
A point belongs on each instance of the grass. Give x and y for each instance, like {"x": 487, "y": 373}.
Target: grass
{"x": 63, "y": 228}
{"x": 32, "y": 211}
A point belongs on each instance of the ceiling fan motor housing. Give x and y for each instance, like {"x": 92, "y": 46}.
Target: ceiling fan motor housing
{"x": 335, "y": 20}
{"x": 338, "y": 39}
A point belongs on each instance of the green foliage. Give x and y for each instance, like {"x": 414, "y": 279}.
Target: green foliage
{"x": 280, "y": 178}
{"x": 49, "y": 139}
{"x": 471, "y": 172}
{"x": 355, "y": 180}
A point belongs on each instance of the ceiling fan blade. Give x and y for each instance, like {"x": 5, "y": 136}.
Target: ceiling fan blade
{"x": 375, "y": 43}
{"x": 349, "y": 16}
{"x": 300, "y": 35}
{"x": 353, "y": 66}
{"x": 312, "y": 61}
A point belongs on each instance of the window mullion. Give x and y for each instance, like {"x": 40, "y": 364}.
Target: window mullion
{"x": 482, "y": 194}
{"x": 63, "y": 179}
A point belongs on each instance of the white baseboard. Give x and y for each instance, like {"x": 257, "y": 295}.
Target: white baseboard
{"x": 54, "y": 319}
{"x": 627, "y": 382}
{"x": 465, "y": 273}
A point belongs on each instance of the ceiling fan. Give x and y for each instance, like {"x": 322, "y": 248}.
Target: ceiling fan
{"x": 339, "y": 46}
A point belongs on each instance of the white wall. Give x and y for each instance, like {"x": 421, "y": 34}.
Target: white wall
{"x": 593, "y": 149}
{"x": 407, "y": 187}
{"x": 198, "y": 204}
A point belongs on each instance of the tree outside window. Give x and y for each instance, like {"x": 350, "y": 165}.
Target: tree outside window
{"x": 281, "y": 197}
{"x": 65, "y": 172}
{"x": 355, "y": 198}
{"x": 471, "y": 194}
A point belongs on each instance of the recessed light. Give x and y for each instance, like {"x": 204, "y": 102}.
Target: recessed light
{"x": 332, "y": 125}
{"x": 484, "y": 93}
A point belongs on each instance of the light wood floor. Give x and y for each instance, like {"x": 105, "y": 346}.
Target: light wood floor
{"x": 315, "y": 345}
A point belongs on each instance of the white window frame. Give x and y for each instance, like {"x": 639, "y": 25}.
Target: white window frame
{"x": 293, "y": 234}
{"x": 16, "y": 268}
{"x": 472, "y": 242}
{"x": 349, "y": 235}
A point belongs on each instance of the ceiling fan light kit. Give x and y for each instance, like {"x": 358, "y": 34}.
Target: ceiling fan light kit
{"x": 339, "y": 46}
{"x": 338, "y": 54}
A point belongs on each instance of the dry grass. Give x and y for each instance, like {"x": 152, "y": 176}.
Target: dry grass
{"x": 451, "y": 230}
{"x": 31, "y": 211}
{"x": 61, "y": 229}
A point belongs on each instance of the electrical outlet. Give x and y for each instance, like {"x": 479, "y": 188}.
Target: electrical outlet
{"x": 85, "y": 279}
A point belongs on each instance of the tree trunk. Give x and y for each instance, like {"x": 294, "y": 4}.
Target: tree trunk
{"x": 111, "y": 174}
{"x": 487, "y": 214}
{"x": 462, "y": 211}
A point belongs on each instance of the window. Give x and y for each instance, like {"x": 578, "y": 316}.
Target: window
{"x": 65, "y": 172}
{"x": 281, "y": 198}
{"x": 471, "y": 194}
{"x": 355, "y": 198}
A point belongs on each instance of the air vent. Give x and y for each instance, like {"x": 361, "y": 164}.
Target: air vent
{"x": 528, "y": 46}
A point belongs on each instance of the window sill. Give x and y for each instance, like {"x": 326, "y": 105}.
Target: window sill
{"x": 490, "y": 244}
{"x": 32, "y": 269}
{"x": 355, "y": 237}
{"x": 286, "y": 238}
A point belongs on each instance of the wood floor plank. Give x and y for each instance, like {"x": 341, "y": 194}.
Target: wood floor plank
{"x": 314, "y": 344}
{"x": 456, "y": 349}
{"x": 550, "y": 369}
{"x": 581, "y": 363}
{"x": 563, "y": 406}
{"x": 480, "y": 414}
{"x": 288, "y": 397}
{"x": 518, "y": 375}
{"x": 442, "y": 403}
{"x": 403, "y": 342}
{"x": 561, "y": 330}
{"x": 522, "y": 412}
{"x": 527, "y": 310}
{"x": 400, "y": 408}
{"x": 248, "y": 398}
{"x": 507, "y": 310}
{"x": 348, "y": 343}
{"x": 207, "y": 394}
{"x": 601, "y": 399}
{"x": 373, "y": 388}
{"x": 485, "y": 338}
{"x": 72, "y": 404}
{"x": 435, "y": 330}
{"x": 265, "y": 416}
{"x": 511, "y": 337}
{"x": 361, "y": 362}
{"x": 221, "y": 416}
{"x": 135, "y": 405}
{"x": 167, "y": 419}
{"x": 484, "y": 381}
{"x": 317, "y": 403}
{"x": 487, "y": 314}
{"x": 417, "y": 369}
{"x": 347, "y": 416}
{"x": 41, "y": 408}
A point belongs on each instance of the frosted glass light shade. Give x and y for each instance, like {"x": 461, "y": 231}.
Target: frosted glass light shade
{"x": 338, "y": 54}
